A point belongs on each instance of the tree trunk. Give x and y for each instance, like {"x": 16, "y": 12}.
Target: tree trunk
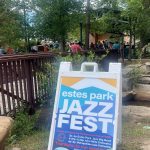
{"x": 62, "y": 45}
{"x": 87, "y": 32}
{"x": 81, "y": 33}
{"x": 130, "y": 42}
{"x": 25, "y": 28}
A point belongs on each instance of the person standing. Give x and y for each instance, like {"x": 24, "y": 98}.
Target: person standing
{"x": 112, "y": 56}
{"x": 75, "y": 48}
{"x": 1, "y": 50}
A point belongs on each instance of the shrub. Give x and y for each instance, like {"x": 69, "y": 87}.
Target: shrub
{"x": 23, "y": 125}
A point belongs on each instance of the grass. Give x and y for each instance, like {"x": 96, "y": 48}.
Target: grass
{"x": 133, "y": 135}
{"x": 37, "y": 141}
{"x": 24, "y": 135}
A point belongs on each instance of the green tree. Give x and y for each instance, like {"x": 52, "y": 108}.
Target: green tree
{"x": 122, "y": 16}
{"x": 137, "y": 14}
{"x": 55, "y": 18}
{"x": 106, "y": 17}
{"x": 10, "y": 30}
{"x": 16, "y": 27}
{"x": 144, "y": 26}
{"x": 26, "y": 9}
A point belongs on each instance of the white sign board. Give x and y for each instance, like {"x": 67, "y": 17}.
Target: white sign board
{"x": 87, "y": 109}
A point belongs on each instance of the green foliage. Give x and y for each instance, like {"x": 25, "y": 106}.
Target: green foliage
{"x": 138, "y": 54}
{"x": 23, "y": 125}
{"x": 58, "y": 19}
{"x": 15, "y": 24}
{"x": 106, "y": 17}
{"x": 135, "y": 74}
{"x": 78, "y": 59}
{"x": 137, "y": 13}
{"x": 51, "y": 72}
{"x": 36, "y": 141}
{"x": 99, "y": 25}
{"x": 47, "y": 77}
{"x": 10, "y": 27}
{"x": 55, "y": 18}
{"x": 122, "y": 16}
{"x": 92, "y": 57}
{"x": 75, "y": 58}
{"x": 146, "y": 50}
{"x": 43, "y": 84}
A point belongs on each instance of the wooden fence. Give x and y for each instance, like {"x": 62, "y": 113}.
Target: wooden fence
{"x": 30, "y": 79}
{"x": 25, "y": 79}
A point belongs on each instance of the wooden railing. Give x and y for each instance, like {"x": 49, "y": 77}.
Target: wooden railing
{"x": 25, "y": 80}
{"x": 28, "y": 79}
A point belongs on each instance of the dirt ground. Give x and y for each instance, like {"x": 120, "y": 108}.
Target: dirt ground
{"x": 136, "y": 127}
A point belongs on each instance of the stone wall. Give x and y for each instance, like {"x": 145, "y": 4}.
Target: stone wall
{"x": 140, "y": 87}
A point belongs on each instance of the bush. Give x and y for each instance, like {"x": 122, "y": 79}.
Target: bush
{"x": 23, "y": 125}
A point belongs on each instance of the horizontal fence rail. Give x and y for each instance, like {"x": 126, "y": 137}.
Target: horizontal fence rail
{"x": 25, "y": 80}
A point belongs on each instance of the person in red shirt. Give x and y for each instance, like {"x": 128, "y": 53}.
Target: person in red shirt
{"x": 75, "y": 48}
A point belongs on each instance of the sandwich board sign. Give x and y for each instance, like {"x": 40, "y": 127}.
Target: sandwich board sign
{"x": 87, "y": 109}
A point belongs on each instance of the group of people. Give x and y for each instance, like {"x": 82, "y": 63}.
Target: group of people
{"x": 121, "y": 48}
{"x": 104, "y": 45}
{"x": 77, "y": 47}
{"x": 7, "y": 50}
{"x": 50, "y": 43}
{"x": 45, "y": 45}
{"x": 74, "y": 47}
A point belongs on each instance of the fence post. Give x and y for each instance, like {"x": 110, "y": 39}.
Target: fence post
{"x": 30, "y": 88}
